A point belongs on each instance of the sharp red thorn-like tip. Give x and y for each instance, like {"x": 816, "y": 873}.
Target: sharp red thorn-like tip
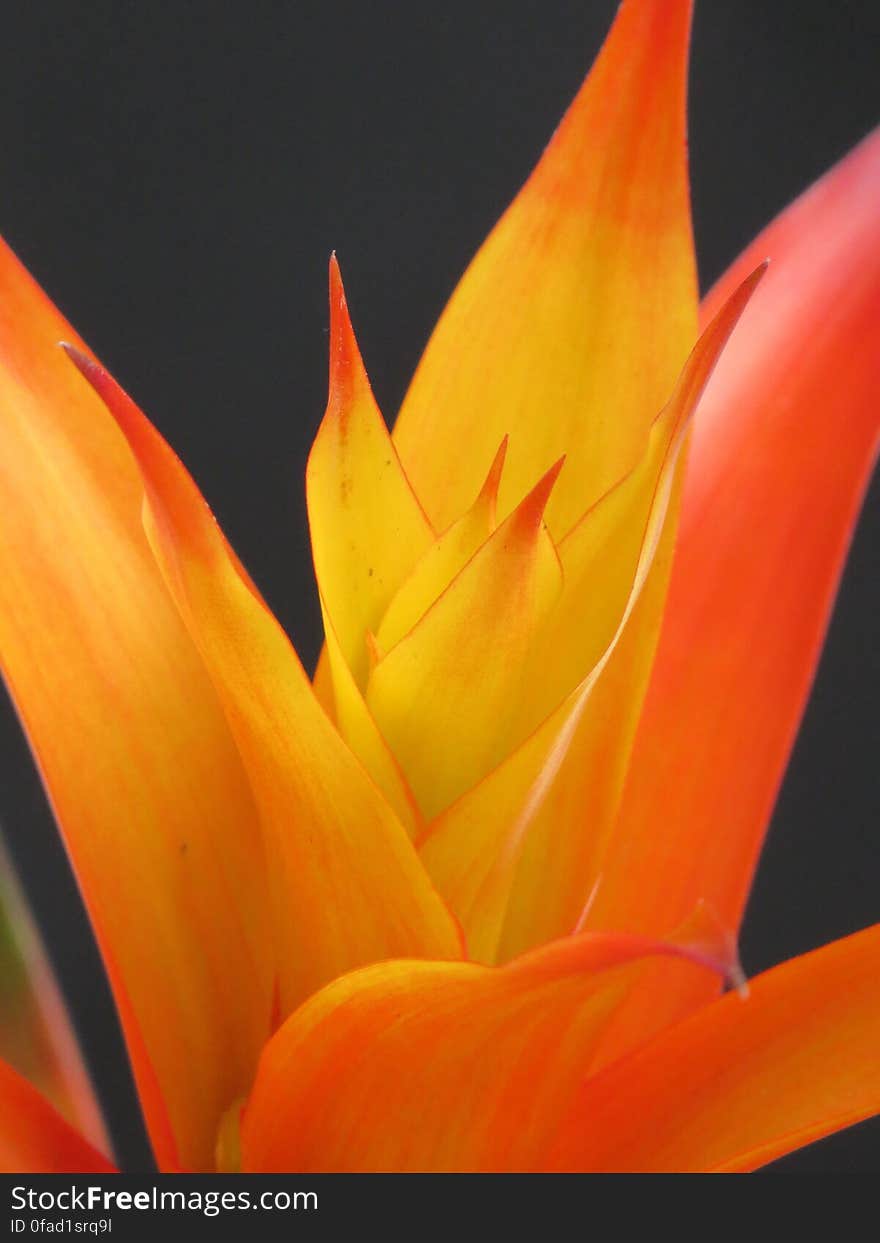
{"x": 489, "y": 491}
{"x": 346, "y": 364}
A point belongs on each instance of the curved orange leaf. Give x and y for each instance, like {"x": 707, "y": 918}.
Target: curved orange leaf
{"x": 346, "y": 884}
{"x": 782, "y": 449}
{"x": 743, "y": 1081}
{"x": 411, "y": 1066}
{"x": 112, "y": 693}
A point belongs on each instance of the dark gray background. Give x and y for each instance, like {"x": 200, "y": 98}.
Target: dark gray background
{"x": 176, "y": 176}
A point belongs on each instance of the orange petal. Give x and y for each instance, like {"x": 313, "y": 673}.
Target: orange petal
{"x": 34, "y": 1139}
{"x": 441, "y": 697}
{"x": 410, "y": 1066}
{"x": 743, "y": 1081}
{"x": 781, "y": 453}
{"x": 347, "y": 885}
{"x": 366, "y": 525}
{"x": 36, "y": 1035}
{"x": 570, "y": 326}
{"x": 523, "y": 849}
{"x": 112, "y": 695}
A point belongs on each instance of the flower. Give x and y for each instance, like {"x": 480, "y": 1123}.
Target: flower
{"x": 469, "y": 902}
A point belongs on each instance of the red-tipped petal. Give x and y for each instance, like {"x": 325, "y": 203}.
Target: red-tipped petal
{"x": 571, "y": 324}
{"x": 367, "y": 527}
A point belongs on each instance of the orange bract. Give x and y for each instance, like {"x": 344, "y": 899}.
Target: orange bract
{"x": 466, "y": 903}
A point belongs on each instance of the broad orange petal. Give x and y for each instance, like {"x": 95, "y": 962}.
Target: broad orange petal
{"x": 743, "y": 1081}
{"x": 782, "y": 449}
{"x": 35, "y": 1139}
{"x": 438, "y": 1066}
{"x": 346, "y": 884}
{"x": 571, "y": 324}
{"x": 114, "y": 698}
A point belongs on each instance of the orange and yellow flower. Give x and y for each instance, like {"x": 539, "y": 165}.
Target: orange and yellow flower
{"x": 469, "y": 900}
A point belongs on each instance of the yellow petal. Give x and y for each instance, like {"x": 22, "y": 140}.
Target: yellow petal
{"x": 366, "y": 525}
{"x": 357, "y": 726}
{"x": 571, "y": 324}
{"x": 442, "y": 695}
{"x": 523, "y": 849}
{"x": 347, "y": 886}
{"x": 443, "y": 561}
{"x": 136, "y": 756}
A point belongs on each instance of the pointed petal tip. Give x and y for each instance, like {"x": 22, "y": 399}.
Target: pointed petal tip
{"x": 529, "y": 514}
{"x": 347, "y": 372}
{"x": 489, "y": 490}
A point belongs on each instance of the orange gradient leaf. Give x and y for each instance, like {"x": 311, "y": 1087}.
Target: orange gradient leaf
{"x": 112, "y": 694}
{"x": 568, "y": 329}
{"x": 782, "y": 450}
{"x": 347, "y": 886}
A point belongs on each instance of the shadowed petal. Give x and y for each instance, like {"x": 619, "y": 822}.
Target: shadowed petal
{"x": 35, "y": 1139}
{"x": 36, "y": 1035}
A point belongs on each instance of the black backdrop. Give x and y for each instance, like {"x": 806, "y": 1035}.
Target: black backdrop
{"x": 176, "y": 176}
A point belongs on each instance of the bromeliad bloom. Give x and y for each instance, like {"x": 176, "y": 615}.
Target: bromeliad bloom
{"x": 469, "y": 901}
